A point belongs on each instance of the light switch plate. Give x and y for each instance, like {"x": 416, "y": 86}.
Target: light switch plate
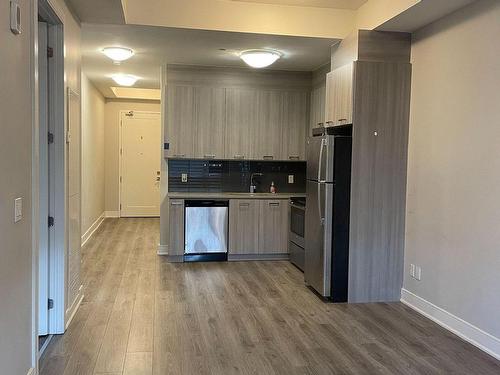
{"x": 15, "y": 18}
{"x": 412, "y": 270}
{"x": 18, "y": 209}
{"x": 290, "y": 178}
{"x": 418, "y": 273}
{"x": 184, "y": 177}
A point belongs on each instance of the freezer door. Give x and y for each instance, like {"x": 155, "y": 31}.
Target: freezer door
{"x": 320, "y": 158}
{"x": 206, "y": 230}
{"x": 318, "y": 240}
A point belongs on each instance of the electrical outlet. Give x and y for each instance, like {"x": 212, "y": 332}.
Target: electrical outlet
{"x": 184, "y": 177}
{"x": 18, "y": 209}
{"x": 290, "y": 178}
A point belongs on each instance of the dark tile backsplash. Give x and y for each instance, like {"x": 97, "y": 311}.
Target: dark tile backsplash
{"x": 234, "y": 175}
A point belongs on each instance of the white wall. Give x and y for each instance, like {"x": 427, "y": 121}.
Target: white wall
{"x": 92, "y": 156}
{"x": 112, "y": 145}
{"x": 15, "y": 167}
{"x": 453, "y": 204}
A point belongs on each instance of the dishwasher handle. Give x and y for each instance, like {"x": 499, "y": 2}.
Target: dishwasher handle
{"x": 206, "y": 203}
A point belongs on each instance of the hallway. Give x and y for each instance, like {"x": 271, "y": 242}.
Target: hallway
{"x": 142, "y": 315}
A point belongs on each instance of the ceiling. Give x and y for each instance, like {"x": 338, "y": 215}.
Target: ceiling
{"x": 155, "y": 46}
{"x": 98, "y": 11}
{"x": 337, "y": 4}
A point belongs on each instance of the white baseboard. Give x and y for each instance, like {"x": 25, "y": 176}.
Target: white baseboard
{"x": 31, "y": 371}
{"x": 74, "y": 308}
{"x": 162, "y": 250}
{"x": 86, "y": 236}
{"x": 476, "y": 336}
{"x": 111, "y": 213}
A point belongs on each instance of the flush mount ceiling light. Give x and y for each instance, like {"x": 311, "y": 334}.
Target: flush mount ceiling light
{"x": 124, "y": 79}
{"x": 118, "y": 54}
{"x": 259, "y": 58}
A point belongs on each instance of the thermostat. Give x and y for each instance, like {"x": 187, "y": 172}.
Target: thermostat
{"x": 15, "y": 18}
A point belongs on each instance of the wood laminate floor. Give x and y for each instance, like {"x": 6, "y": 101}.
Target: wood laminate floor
{"x": 142, "y": 315}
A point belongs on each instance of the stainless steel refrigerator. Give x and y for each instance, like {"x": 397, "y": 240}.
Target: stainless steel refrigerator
{"x": 328, "y": 188}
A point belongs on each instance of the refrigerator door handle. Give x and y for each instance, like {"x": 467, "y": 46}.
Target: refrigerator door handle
{"x": 320, "y": 209}
{"x": 320, "y": 161}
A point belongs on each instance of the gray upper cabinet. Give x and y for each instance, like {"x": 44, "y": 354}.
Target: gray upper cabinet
{"x": 273, "y": 227}
{"x": 241, "y": 122}
{"x": 210, "y": 122}
{"x": 267, "y": 137}
{"x": 180, "y": 132}
{"x": 338, "y": 98}
{"x": 295, "y": 125}
{"x": 244, "y": 226}
{"x": 317, "y": 116}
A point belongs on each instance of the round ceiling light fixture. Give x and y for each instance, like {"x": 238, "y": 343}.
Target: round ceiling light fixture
{"x": 259, "y": 58}
{"x": 118, "y": 54}
{"x": 125, "y": 79}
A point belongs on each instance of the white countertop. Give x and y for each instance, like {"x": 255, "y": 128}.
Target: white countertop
{"x": 201, "y": 195}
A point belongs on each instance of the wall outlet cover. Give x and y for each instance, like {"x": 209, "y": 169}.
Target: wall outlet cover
{"x": 184, "y": 177}
{"x": 290, "y": 179}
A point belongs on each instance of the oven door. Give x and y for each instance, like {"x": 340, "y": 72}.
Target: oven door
{"x": 297, "y": 224}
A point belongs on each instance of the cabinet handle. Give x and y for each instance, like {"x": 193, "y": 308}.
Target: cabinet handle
{"x": 342, "y": 119}
{"x": 274, "y": 204}
{"x": 209, "y": 156}
{"x": 268, "y": 157}
{"x": 329, "y": 122}
{"x": 238, "y": 156}
{"x": 244, "y": 204}
{"x": 293, "y": 157}
{"x": 176, "y": 203}
{"x": 179, "y": 155}
{"x": 319, "y": 124}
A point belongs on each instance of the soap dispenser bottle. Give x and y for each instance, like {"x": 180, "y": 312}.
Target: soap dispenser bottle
{"x": 272, "y": 188}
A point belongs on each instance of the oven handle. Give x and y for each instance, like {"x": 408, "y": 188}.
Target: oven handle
{"x": 302, "y": 208}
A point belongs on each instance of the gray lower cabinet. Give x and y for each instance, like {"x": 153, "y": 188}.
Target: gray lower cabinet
{"x": 180, "y": 132}
{"x": 295, "y": 117}
{"x": 273, "y": 227}
{"x": 241, "y": 120}
{"x": 210, "y": 122}
{"x": 176, "y": 227}
{"x": 243, "y": 226}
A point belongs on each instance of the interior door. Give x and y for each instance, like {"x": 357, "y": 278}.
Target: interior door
{"x": 43, "y": 245}
{"x": 140, "y": 164}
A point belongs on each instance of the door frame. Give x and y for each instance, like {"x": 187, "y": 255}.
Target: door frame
{"x": 121, "y": 116}
{"x": 54, "y": 16}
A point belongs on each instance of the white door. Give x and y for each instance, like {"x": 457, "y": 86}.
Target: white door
{"x": 140, "y": 164}
{"x": 43, "y": 246}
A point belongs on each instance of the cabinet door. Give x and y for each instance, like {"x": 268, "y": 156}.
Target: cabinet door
{"x": 295, "y": 125}
{"x": 317, "y": 106}
{"x": 210, "y": 122}
{"x": 176, "y": 227}
{"x": 243, "y": 226}
{"x": 180, "y": 121}
{"x": 343, "y": 95}
{"x": 329, "y": 99}
{"x": 267, "y": 138}
{"x": 273, "y": 227}
{"x": 241, "y": 122}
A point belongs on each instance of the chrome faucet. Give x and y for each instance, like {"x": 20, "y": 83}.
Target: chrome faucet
{"x": 253, "y": 188}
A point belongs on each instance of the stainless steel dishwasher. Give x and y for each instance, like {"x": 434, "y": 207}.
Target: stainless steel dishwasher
{"x": 206, "y": 230}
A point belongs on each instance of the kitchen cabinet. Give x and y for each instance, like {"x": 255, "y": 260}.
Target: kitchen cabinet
{"x": 243, "y": 226}
{"x": 210, "y": 122}
{"x": 273, "y": 227}
{"x": 338, "y": 97}
{"x": 176, "y": 227}
{"x": 241, "y": 122}
{"x": 267, "y": 138}
{"x": 180, "y": 133}
{"x": 294, "y": 127}
{"x": 317, "y": 116}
